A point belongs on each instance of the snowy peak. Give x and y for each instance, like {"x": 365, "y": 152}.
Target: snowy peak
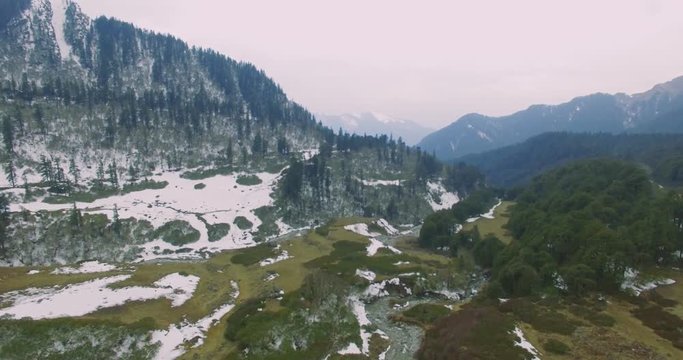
{"x": 373, "y": 123}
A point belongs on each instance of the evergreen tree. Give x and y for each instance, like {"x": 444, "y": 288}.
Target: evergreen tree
{"x": 8, "y": 134}
{"x": 113, "y": 174}
{"x": 19, "y": 119}
{"x": 11, "y": 172}
{"x": 133, "y": 172}
{"x": 75, "y": 219}
{"x": 99, "y": 173}
{"x": 4, "y": 221}
{"x": 27, "y": 188}
{"x": 26, "y": 90}
{"x": 59, "y": 174}
{"x": 45, "y": 169}
{"x": 116, "y": 221}
{"x": 39, "y": 119}
{"x": 282, "y": 146}
{"x": 74, "y": 171}
{"x": 229, "y": 152}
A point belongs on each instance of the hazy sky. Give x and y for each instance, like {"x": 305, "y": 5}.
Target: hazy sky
{"x": 430, "y": 61}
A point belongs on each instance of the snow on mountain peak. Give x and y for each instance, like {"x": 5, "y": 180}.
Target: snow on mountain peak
{"x": 386, "y": 119}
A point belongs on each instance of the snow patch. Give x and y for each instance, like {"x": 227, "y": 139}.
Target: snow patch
{"x": 173, "y": 339}
{"x": 387, "y": 227}
{"x": 270, "y": 261}
{"x": 351, "y": 349}
{"x": 633, "y": 284}
{"x": 84, "y": 298}
{"x": 33, "y": 272}
{"x": 381, "y": 182}
{"x": 440, "y": 199}
{"x": 58, "y": 20}
{"x": 366, "y": 274}
{"x": 87, "y": 267}
{"x": 483, "y": 136}
{"x": 361, "y": 229}
{"x": 487, "y": 215}
{"x": 525, "y": 344}
{"x": 271, "y": 277}
{"x": 450, "y": 295}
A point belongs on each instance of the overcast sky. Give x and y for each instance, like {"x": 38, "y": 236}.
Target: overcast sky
{"x": 430, "y": 61}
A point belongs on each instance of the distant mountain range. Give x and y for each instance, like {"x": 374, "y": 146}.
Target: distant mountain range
{"x": 376, "y": 124}
{"x": 657, "y": 110}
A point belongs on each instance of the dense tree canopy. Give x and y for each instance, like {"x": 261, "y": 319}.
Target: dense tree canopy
{"x": 586, "y": 223}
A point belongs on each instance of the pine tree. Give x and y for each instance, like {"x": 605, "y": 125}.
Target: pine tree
{"x": 11, "y": 173}
{"x": 27, "y": 188}
{"x": 45, "y": 169}
{"x": 26, "y": 90}
{"x": 282, "y": 146}
{"x": 113, "y": 174}
{"x": 75, "y": 219}
{"x": 116, "y": 221}
{"x": 229, "y": 152}
{"x": 39, "y": 118}
{"x": 59, "y": 175}
{"x": 4, "y": 221}
{"x": 133, "y": 172}
{"x": 74, "y": 171}
{"x": 19, "y": 119}
{"x": 100, "y": 172}
{"x": 8, "y": 134}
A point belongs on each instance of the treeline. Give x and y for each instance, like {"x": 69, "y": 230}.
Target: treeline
{"x": 518, "y": 164}
{"x": 578, "y": 228}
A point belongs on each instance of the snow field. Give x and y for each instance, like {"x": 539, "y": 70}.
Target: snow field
{"x": 58, "y": 20}
{"x": 221, "y": 201}
{"x": 172, "y": 340}
{"x": 84, "y": 298}
{"x": 439, "y": 198}
{"x": 87, "y": 267}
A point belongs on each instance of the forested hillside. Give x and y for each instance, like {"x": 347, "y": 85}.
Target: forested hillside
{"x": 587, "y": 223}
{"x": 661, "y": 154}
{"x": 97, "y": 114}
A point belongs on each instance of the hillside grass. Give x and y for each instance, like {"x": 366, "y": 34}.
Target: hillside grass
{"x": 495, "y": 226}
{"x": 340, "y": 251}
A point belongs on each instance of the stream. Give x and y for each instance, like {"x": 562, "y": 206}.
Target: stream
{"x": 405, "y": 339}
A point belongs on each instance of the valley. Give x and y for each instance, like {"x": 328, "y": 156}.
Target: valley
{"x": 161, "y": 200}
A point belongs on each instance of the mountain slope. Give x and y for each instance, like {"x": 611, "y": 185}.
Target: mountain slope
{"x": 195, "y": 152}
{"x": 517, "y": 164}
{"x": 376, "y": 124}
{"x": 657, "y": 110}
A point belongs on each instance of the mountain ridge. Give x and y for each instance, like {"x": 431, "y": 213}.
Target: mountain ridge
{"x": 598, "y": 112}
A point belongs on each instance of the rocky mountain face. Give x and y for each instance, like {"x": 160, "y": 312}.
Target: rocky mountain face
{"x": 376, "y": 124}
{"x": 656, "y": 110}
